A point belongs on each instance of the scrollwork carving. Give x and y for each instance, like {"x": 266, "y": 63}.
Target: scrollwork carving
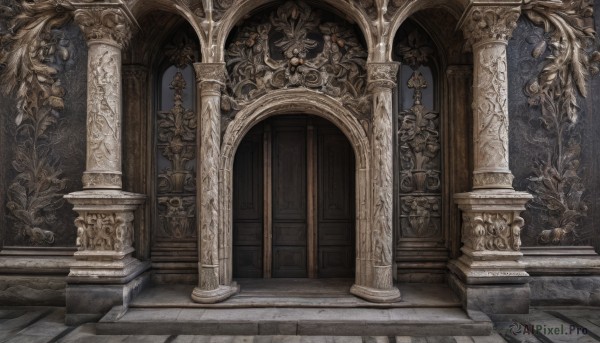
{"x": 571, "y": 54}
{"x": 177, "y": 215}
{"x": 32, "y": 52}
{"x": 104, "y": 231}
{"x": 489, "y": 23}
{"x": 291, "y": 48}
{"x": 101, "y": 23}
{"x": 492, "y": 231}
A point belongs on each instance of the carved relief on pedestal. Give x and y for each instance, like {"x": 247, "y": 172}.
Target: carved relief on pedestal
{"x": 104, "y": 231}
{"x": 494, "y": 231}
{"x": 292, "y": 48}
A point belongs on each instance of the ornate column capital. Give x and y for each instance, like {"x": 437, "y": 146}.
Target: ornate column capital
{"x": 482, "y": 23}
{"x": 105, "y": 21}
{"x": 382, "y": 74}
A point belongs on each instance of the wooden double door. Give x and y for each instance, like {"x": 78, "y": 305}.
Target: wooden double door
{"x": 293, "y": 201}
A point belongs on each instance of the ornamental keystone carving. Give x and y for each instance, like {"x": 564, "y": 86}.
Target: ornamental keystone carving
{"x": 483, "y": 23}
{"x": 495, "y": 231}
{"x": 290, "y": 48}
{"x": 104, "y": 231}
{"x": 101, "y": 23}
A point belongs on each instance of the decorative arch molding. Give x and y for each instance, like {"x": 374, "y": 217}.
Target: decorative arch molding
{"x": 287, "y": 102}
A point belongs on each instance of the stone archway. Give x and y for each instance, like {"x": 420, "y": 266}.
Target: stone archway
{"x": 285, "y": 102}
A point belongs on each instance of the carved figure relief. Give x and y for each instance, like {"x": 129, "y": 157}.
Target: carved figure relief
{"x": 569, "y": 49}
{"x": 418, "y": 144}
{"x": 291, "y": 47}
{"x": 32, "y": 53}
{"x": 176, "y": 146}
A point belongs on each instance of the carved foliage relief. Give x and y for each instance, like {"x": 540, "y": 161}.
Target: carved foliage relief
{"x": 555, "y": 52}
{"x": 111, "y": 231}
{"x": 296, "y": 46}
{"x": 492, "y": 231}
{"x": 176, "y": 143}
{"x": 418, "y": 139}
{"x": 41, "y": 61}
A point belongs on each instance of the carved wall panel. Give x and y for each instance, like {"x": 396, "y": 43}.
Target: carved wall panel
{"x": 175, "y": 134}
{"x": 176, "y": 141}
{"x": 42, "y": 154}
{"x": 419, "y": 141}
{"x": 553, "y": 130}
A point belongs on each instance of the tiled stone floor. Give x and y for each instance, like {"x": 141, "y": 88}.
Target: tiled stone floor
{"x": 542, "y": 324}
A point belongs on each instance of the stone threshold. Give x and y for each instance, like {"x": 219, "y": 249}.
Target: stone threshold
{"x": 296, "y": 321}
{"x": 297, "y": 293}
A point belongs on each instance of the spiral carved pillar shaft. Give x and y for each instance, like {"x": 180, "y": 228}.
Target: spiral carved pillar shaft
{"x": 379, "y": 285}
{"x": 210, "y": 78}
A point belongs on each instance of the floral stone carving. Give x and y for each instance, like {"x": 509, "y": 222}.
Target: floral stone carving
{"x": 290, "y": 48}
{"x": 571, "y": 54}
{"x": 104, "y": 231}
{"x": 420, "y": 216}
{"x": 37, "y": 53}
{"x": 492, "y": 231}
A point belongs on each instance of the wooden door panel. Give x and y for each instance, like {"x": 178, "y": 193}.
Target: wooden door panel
{"x": 289, "y": 198}
{"x": 289, "y": 261}
{"x": 335, "y": 233}
{"x": 336, "y": 261}
{"x": 248, "y": 207}
{"x": 289, "y": 174}
{"x": 247, "y": 261}
{"x": 289, "y": 234}
{"x": 335, "y": 174}
{"x": 335, "y": 198}
{"x": 247, "y": 233}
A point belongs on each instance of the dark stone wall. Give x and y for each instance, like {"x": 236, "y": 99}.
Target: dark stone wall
{"x": 555, "y": 159}
{"x": 35, "y": 179}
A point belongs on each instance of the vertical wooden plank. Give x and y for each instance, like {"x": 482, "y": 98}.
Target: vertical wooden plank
{"x": 267, "y": 208}
{"x": 311, "y": 200}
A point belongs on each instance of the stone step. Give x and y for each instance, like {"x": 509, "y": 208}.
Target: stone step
{"x": 296, "y": 321}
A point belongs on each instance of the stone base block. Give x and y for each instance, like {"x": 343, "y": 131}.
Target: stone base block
{"x": 565, "y": 290}
{"x": 492, "y": 298}
{"x": 214, "y": 295}
{"x": 38, "y": 290}
{"x": 488, "y": 272}
{"x": 376, "y": 295}
{"x": 89, "y": 302}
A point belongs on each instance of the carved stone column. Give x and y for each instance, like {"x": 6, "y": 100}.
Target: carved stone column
{"x": 210, "y": 78}
{"x": 379, "y": 283}
{"x": 105, "y": 222}
{"x": 489, "y": 275}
